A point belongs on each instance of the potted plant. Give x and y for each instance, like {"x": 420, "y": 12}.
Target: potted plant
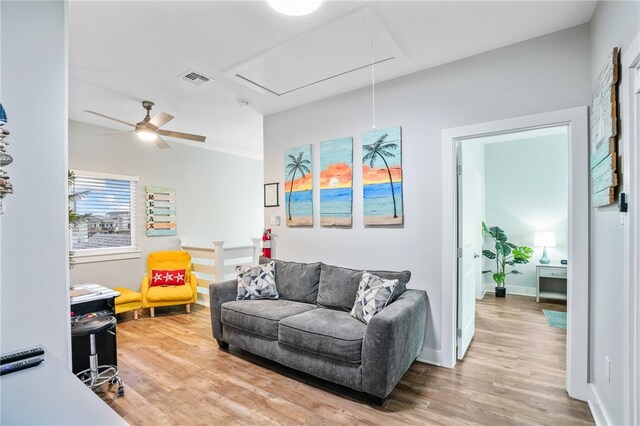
{"x": 506, "y": 254}
{"x": 75, "y": 218}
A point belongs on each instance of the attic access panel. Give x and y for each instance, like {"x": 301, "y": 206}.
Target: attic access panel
{"x": 319, "y": 55}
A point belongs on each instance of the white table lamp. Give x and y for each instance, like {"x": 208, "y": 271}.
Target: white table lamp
{"x": 544, "y": 239}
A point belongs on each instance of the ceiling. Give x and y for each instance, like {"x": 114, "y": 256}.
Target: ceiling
{"x": 124, "y": 52}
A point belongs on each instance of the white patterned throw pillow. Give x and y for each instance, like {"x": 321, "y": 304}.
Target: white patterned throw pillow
{"x": 373, "y": 295}
{"x": 257, "y": 282}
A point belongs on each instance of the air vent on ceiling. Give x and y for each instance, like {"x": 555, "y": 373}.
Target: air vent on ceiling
{"x": 195, "y": 78}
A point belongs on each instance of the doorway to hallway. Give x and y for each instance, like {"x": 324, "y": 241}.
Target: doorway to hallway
{"x": 512, "y": 192}
{"x": 577, "y": 244}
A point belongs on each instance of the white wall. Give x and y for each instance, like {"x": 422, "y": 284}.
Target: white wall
{"x": 34, "y": 297}
{"x": 614, "y": 24}
{"x": 218, "y": 196}
{"x": 543, "y": 74}
{"x": 526, "y": 187}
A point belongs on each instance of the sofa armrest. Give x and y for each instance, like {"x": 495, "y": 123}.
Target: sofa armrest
{"x": 193, "y": 282}
{"x": 144, "y": 288}
{"x": 392, "y": 341}
{"x": 220, "y": 293}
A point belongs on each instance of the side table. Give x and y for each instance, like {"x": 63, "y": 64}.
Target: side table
{"x": 553, "y": 290}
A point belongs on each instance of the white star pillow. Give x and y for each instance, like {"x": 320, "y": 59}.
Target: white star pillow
{"x": 167, "y": 277}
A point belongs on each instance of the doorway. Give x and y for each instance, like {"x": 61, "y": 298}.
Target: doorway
{"x": 512, "y": 191}
{"x": 575, "y": 120}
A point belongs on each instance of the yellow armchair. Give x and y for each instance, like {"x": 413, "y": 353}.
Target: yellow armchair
{"x": 154, "y": 296}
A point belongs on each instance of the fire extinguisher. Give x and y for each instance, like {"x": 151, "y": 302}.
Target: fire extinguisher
{"x": 266, "y": 243}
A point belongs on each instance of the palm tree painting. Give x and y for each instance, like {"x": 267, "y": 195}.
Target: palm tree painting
{"x": 297, "y": 185}
{"x": 382, "y": 177}
{"x": 336, "y": 182}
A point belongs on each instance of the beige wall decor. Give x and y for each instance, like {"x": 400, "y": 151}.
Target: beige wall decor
{"x": 161, "y": 211}
{"x": 604, "y": 133}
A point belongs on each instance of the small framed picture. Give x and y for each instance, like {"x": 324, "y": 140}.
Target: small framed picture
{"x": 271, "y": 198}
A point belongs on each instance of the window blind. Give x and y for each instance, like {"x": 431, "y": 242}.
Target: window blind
{"x": 108, "y": 206}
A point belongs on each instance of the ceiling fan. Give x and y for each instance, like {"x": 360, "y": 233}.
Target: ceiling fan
{"x": 149, "y": 128}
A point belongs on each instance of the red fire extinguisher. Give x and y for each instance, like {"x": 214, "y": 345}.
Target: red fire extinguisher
{"x": 266, "y": 243}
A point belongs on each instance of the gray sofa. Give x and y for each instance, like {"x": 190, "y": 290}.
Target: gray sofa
{"x": 309, "y": 327}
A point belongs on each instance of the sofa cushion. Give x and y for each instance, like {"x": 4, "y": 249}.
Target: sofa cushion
{"x": 169, "y": 260}
{"x": 373, "y": 295}
{"x": 170, "y": 294}
{"x": 338, "y": 286}
{"x": 164, "y": 277}
{"x": 325, "y": 332}
{"x": 127, "y": 295}
{"x": 297, "y": 281}
{"x": 256, "y": 282}
{"x": 261, "y": 316}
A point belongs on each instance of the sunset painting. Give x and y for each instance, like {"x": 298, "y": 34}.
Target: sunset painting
{"x": 382, "y": 177}
{"x": 297, "y": 186}
{"x": 336, "y": 176}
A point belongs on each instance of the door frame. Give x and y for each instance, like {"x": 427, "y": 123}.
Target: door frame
{"x": 630, "y": 83}
{"x": 578, "y": 217}
{"x": 634, "y": 267}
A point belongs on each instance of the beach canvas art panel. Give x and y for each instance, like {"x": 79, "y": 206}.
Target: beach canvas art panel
{"x": 382, "y": 177}
{"x": 336, "y": 182}
{"x": 298, "y": 201}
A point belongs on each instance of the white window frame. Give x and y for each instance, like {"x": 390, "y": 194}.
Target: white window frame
{"x": 111, "y": 253}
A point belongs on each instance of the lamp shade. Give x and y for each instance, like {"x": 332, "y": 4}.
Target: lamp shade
{"x": 146, "y": 135}
{"x": 544, "y": 239}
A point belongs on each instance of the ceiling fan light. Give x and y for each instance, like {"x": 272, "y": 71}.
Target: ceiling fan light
{"x": 295, "y": 7}
{"x": 146, "y": 135}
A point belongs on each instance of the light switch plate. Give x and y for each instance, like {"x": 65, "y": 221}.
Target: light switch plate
{"x": 274, "y": 220}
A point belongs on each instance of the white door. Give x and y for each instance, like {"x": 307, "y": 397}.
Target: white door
{"x": 479, "y": 206}
{"x": 468, "y": 256}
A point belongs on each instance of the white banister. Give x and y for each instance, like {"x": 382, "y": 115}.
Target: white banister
{"x": 218, "y": 260}
{"x": 217, "y": 263}
{"x": 257, "y": 242}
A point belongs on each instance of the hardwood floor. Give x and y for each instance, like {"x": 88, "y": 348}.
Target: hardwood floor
{"x": 513, "y": 373}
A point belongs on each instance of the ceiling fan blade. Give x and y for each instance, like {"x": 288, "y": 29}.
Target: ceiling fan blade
{"x": 180, "y": 135}
{"x": 116, "y": 133}
{"x": 110, "y": 118}
{"x": 160, "y": 119}
{"x": 160, "y": 143}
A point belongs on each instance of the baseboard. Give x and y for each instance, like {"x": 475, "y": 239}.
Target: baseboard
{"x": 430, "y": 356}
{"x": 597, "y": 409}
{"x": 517, "y": 290}
{"x": 484, "y": 291}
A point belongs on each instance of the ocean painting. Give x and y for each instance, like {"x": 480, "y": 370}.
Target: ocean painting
{"x": 298, "y": 175}
{"x": 382, "y": 177}
{"x": 336, "y": 182}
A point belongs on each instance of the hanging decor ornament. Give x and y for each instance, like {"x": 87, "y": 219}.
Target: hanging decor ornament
{"x": 373, "y": 86}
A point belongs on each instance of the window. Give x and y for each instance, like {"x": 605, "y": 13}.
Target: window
{"x": 107, "y": 203}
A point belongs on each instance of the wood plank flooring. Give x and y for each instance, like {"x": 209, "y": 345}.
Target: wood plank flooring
{"x": 513, "y": 374}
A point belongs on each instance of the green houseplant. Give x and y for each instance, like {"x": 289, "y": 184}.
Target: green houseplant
{"x": 506, "y": 254}
{"x": 75, "y": 218}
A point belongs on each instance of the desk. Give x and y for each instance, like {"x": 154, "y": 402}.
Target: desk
{"x": 50, "y": 394}
{"x": 557, "y": 289}
{"x": 101, "y": 300}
